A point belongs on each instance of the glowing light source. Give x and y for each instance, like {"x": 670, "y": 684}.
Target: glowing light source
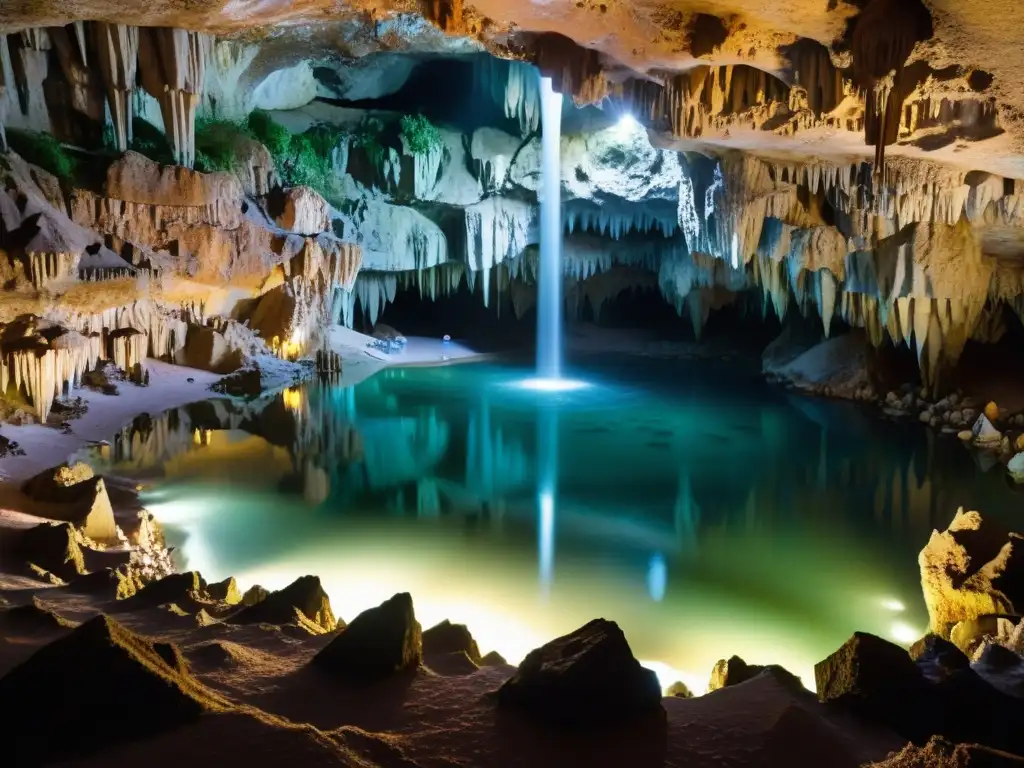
{"x": 552, "y": 385}
{"x": 626, "y": 125}
{"x": 894, "y": 605}
{"x": 904, "y": 633}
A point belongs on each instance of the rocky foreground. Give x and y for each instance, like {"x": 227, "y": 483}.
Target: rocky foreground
{"x": 107, "y": 659}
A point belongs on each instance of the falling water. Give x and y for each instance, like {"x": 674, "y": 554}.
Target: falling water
{"x": 549, "y": 291}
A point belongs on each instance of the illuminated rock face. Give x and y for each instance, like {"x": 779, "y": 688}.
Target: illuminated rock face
{"x": 758, "y": 179}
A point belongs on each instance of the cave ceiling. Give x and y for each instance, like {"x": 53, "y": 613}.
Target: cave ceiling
{"x": 963, "y": 106}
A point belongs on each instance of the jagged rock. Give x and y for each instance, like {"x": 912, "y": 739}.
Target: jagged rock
{"x": 984, "y": 434}
{"x": 225, "y": 591}
{"x": 59, "y": 702}
{"x": 254, "y": 594}
{"x": 35, "y": 617}
{"x": 735, "y": 670}
{"x": 204, "y": 619}
{"x": 972, "y": 569}
{"x": 937, "y": 658}
{"x": 107, "y": 583}
{"x": 680, "y": 690}
{"x": 941, "y": 753}
{"x": 588, "y": 678}
{"x": 378, "y": 643}
{"x": 84, "y": 495}
{"x": 175, "y": 588}
{"x": 450, "y": 638}
{"x": 53, "y": 548}
{"x": 879, "y": 681}
{"x": 1016, "y": 467}
{"x": 493, "y": 659}
{"x": 305, "y": 212}
{"x": 304, "y": 598}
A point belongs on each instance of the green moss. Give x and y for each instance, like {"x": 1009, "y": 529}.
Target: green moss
{"x": 368, "y": 138}
{"x": 272, "y": 135}
{"x": 217, "y": 142}
{"x": 419, "y": 134}
{"x": 43, "y": 150}
{"x": 150, "y": 141}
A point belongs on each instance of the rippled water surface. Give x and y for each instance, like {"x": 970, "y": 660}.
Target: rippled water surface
{"x": 706, "y": 513}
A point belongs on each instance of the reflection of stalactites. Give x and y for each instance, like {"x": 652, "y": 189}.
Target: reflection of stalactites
{"x": 823, "y": 459}
{"x": 686, "y": 514}
{"x": 428, "y": 498}
{"x": 316, "y": 485}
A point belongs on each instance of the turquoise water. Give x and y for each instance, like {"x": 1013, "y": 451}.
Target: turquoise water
{"x": 705, "y": 512}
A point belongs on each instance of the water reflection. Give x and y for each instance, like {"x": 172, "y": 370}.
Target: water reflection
{"x": 705, "y": 513}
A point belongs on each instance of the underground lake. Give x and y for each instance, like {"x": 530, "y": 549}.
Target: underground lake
{"x": 695, "y": 505}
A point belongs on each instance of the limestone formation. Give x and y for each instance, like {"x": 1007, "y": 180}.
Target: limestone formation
{"x": 587, "y": 679}
{"x": 969, "y": 571}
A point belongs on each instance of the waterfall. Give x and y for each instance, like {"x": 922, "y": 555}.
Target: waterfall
{"x": 550, "y": 278}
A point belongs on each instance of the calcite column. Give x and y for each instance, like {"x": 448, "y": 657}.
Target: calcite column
{"x": 117, "y": 49}
{"x": 29, "y": 50}
{"x": 172, "y": 63}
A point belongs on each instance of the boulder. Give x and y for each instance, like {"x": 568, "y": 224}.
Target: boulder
{"x": 679, "y": 690}
{"x": 303, "y": 601}
{"x": 838, "y": 367}
{"x": 735, "y": 670}
{"x": 450, "y": 638}
{"x": 225, "y": 591}
{"x": 176, "y": 588}
{"x": 106, "y": 583}
{"x": 81, "y": 500}
{"x": 938, "y": 658}
{"x": 98, "y": 685}
{"x": 379, "y": 642}
{"x": 53, "y": 548}
{"x": 255, "y": 594}
{"x": 878, "y": 681}
{"x": 304, "y": 212}
{"x": 493, "y": 659}
{"x": 586, "y": 679}
{"x": 972, "y": 569}
{"x": 208, "y": 350}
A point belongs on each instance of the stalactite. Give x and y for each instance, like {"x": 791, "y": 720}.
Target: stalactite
{"x": 117, "y": 46}
{"x": 513, "y": 85}
{"x": 172, "y": 63}
{"x": 496, "y": 228}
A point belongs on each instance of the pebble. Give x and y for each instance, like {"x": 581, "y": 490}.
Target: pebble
{"x": 926, "y": 416}
{"x": 956, "y": 417}
{"x": 966, "y": 435}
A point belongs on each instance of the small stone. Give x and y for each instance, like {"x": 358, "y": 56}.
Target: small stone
{"x": 680, "y": 690}
{"x": 1019, "y": 442}
{"x": 969, "y": 415}
{"x": 985, "y": 434}
{"x": 956, "y": 418}
{"x": 190, "y": 380}
{"x": 892, "y": 398}
{"x": 1018, "y": 420}
{"x": 925, "y": 417}
{"x": 1016, "y": 468}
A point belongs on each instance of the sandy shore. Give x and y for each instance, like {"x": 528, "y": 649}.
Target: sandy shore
{"x": 169, "y": 387}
